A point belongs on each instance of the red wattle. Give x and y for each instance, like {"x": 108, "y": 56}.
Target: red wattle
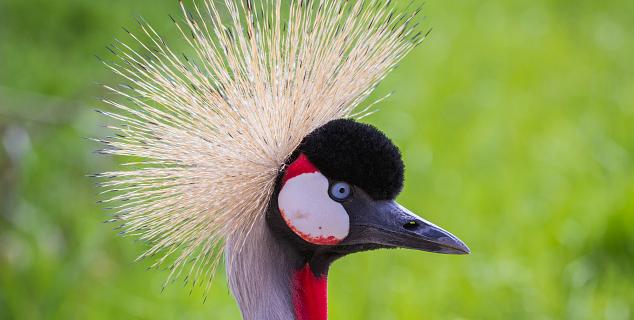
{"x": 310, "y": 295}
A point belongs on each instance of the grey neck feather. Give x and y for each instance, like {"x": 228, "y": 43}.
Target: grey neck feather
{"x": 259, "y": 274}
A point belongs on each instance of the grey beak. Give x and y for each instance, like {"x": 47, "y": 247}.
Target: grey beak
{"x": 389, "y": 224}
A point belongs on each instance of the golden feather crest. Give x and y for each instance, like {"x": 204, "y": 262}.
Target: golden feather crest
{"x": 209, "y": 134}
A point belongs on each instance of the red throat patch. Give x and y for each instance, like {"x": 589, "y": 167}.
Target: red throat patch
{"x": 310, "y": 295}
{"x": 300, "y": 166}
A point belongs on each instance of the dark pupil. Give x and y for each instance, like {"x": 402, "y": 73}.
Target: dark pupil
{"x": 342, "y": 190}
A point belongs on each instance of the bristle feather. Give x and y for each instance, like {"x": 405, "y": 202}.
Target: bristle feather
{"x": 210, "y": 132}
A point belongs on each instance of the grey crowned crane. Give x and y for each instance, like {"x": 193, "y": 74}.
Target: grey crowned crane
{"x": 251, "y": 147}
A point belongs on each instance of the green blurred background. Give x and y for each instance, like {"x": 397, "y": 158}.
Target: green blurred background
{"x": 515, "y": 119}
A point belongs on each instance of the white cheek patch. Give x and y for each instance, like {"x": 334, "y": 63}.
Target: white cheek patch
{"x": 310, "y": 213}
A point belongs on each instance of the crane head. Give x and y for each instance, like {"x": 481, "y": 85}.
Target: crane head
{"x": 239, "y": 149}
{"x": 336, "y": 196}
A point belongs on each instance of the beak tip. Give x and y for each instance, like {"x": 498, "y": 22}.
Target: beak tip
{"x": 463, "y": 248}
{"x": 454, "y": 245}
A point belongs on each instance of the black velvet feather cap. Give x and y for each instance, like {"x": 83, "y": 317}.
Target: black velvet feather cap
{"x": 357, "y": 153}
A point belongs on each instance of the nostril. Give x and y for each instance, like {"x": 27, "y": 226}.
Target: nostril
{"x": 411, "y": 225}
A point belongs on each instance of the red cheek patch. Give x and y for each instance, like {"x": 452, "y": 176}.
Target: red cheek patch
{"x": 306, "y": 207}
{"x": 321, "y": 240}
{"x": 300, "y": 166}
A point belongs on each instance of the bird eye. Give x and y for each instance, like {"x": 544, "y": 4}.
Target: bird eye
{"x": 340, "y": 191}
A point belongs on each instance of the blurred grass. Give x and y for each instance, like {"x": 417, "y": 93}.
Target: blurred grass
{"x": 516, "y": 124}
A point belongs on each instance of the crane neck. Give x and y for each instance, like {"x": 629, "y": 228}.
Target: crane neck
{"x": 270, "y": 279}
